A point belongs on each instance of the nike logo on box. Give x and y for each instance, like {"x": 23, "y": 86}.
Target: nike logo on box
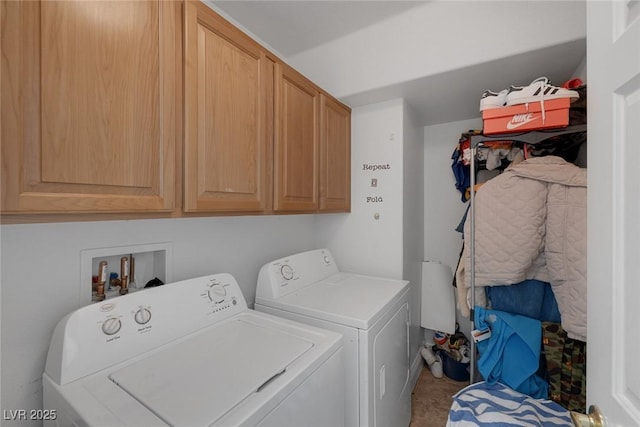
{"x": 520, "y": 120}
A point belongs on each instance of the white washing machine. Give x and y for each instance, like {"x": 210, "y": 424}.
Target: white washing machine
{"x": 371, "y": 313}
{"x": 188, "y": 354}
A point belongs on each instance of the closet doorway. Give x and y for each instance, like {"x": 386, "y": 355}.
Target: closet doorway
{"x": 613, "y": 49}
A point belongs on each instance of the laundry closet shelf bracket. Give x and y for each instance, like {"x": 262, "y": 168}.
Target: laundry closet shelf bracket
{"x": 530, "y": 137}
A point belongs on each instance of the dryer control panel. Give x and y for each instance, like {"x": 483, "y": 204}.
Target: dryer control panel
{"x": 286, "y": 275}
{"x": 121, "y": 329}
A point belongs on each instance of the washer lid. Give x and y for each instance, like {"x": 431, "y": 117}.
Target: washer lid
{"x": 198, "y": 380}
{"x": 349, "y": 299}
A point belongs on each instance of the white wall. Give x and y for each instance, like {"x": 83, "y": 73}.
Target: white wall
{"x": 413, "y": 222}
{"x": 429, "y": 39}
{"x": 443, "y": 208}
{"x": 41, "y": 270}
{"x": 391, "y": 246}
{"x": 359, "y": 242}
{"x": 581, "y": 71}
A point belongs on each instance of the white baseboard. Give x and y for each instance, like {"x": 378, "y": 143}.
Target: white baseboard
{"x": 416, "y": 367}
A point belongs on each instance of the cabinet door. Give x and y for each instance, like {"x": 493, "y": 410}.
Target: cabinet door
{"x": 296, "y": 147}
{"x": 228, "y": 115}
{"x": 335, "y": 156}
{"x": 89, "y": 106}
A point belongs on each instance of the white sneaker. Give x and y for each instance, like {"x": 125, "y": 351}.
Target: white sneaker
{"x": 436, "y": 367}
{"x": 490, "y": 99}
{"x": 428, "y": 355}
{"x": 538, "y": 90}
{"x": 433, "y": 360}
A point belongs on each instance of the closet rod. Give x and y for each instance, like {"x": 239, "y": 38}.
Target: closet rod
{"x": 529, "y": 137}
{"x": 472, "y": 255}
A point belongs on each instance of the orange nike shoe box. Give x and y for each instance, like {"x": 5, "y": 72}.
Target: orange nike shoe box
{"x": 526, "y": 117}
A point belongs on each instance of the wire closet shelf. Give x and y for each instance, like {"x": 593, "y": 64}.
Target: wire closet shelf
{"x": 530, "y": 137}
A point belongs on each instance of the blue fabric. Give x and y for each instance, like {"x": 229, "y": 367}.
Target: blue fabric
{"x": 531, "y": 298}
{"x": 512, "y": 354}
{"x": 461, "y": 172}
{"x": 484, "y": 404}
{"x": 549, "y": 311}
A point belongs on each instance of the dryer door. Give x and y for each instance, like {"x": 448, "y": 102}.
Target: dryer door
{"x": 392, "y": 405}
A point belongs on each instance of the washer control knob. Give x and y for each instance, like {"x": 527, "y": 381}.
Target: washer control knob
{"x": 217, "y": 293}
{"x": 327, "y": 260}
{"x": 111, "y": 326}
{"x": 142, "y": 316}
{"x": 286, "y": 271}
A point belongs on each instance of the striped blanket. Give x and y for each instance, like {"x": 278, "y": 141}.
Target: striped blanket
{"x": 496, "y": 405}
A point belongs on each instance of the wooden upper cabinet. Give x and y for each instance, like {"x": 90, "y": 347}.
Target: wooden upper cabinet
{"x": 228, "y": 116}
{"x": 89, "y": 108}
{"x": 335, "y": 156}
{"x": 297, "y": 142}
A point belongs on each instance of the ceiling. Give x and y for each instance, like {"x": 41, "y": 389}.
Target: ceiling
{"x": 291, "y": 27}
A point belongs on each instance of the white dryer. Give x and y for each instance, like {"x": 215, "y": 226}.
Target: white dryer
{"x": 188, "y": 354}
{"x": 371, "y": 313}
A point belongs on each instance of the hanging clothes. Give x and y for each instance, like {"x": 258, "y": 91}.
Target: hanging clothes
{"x": 566, "y": 361}
{"x": 495, "y": 155}
{"x": 460, "y": 166}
